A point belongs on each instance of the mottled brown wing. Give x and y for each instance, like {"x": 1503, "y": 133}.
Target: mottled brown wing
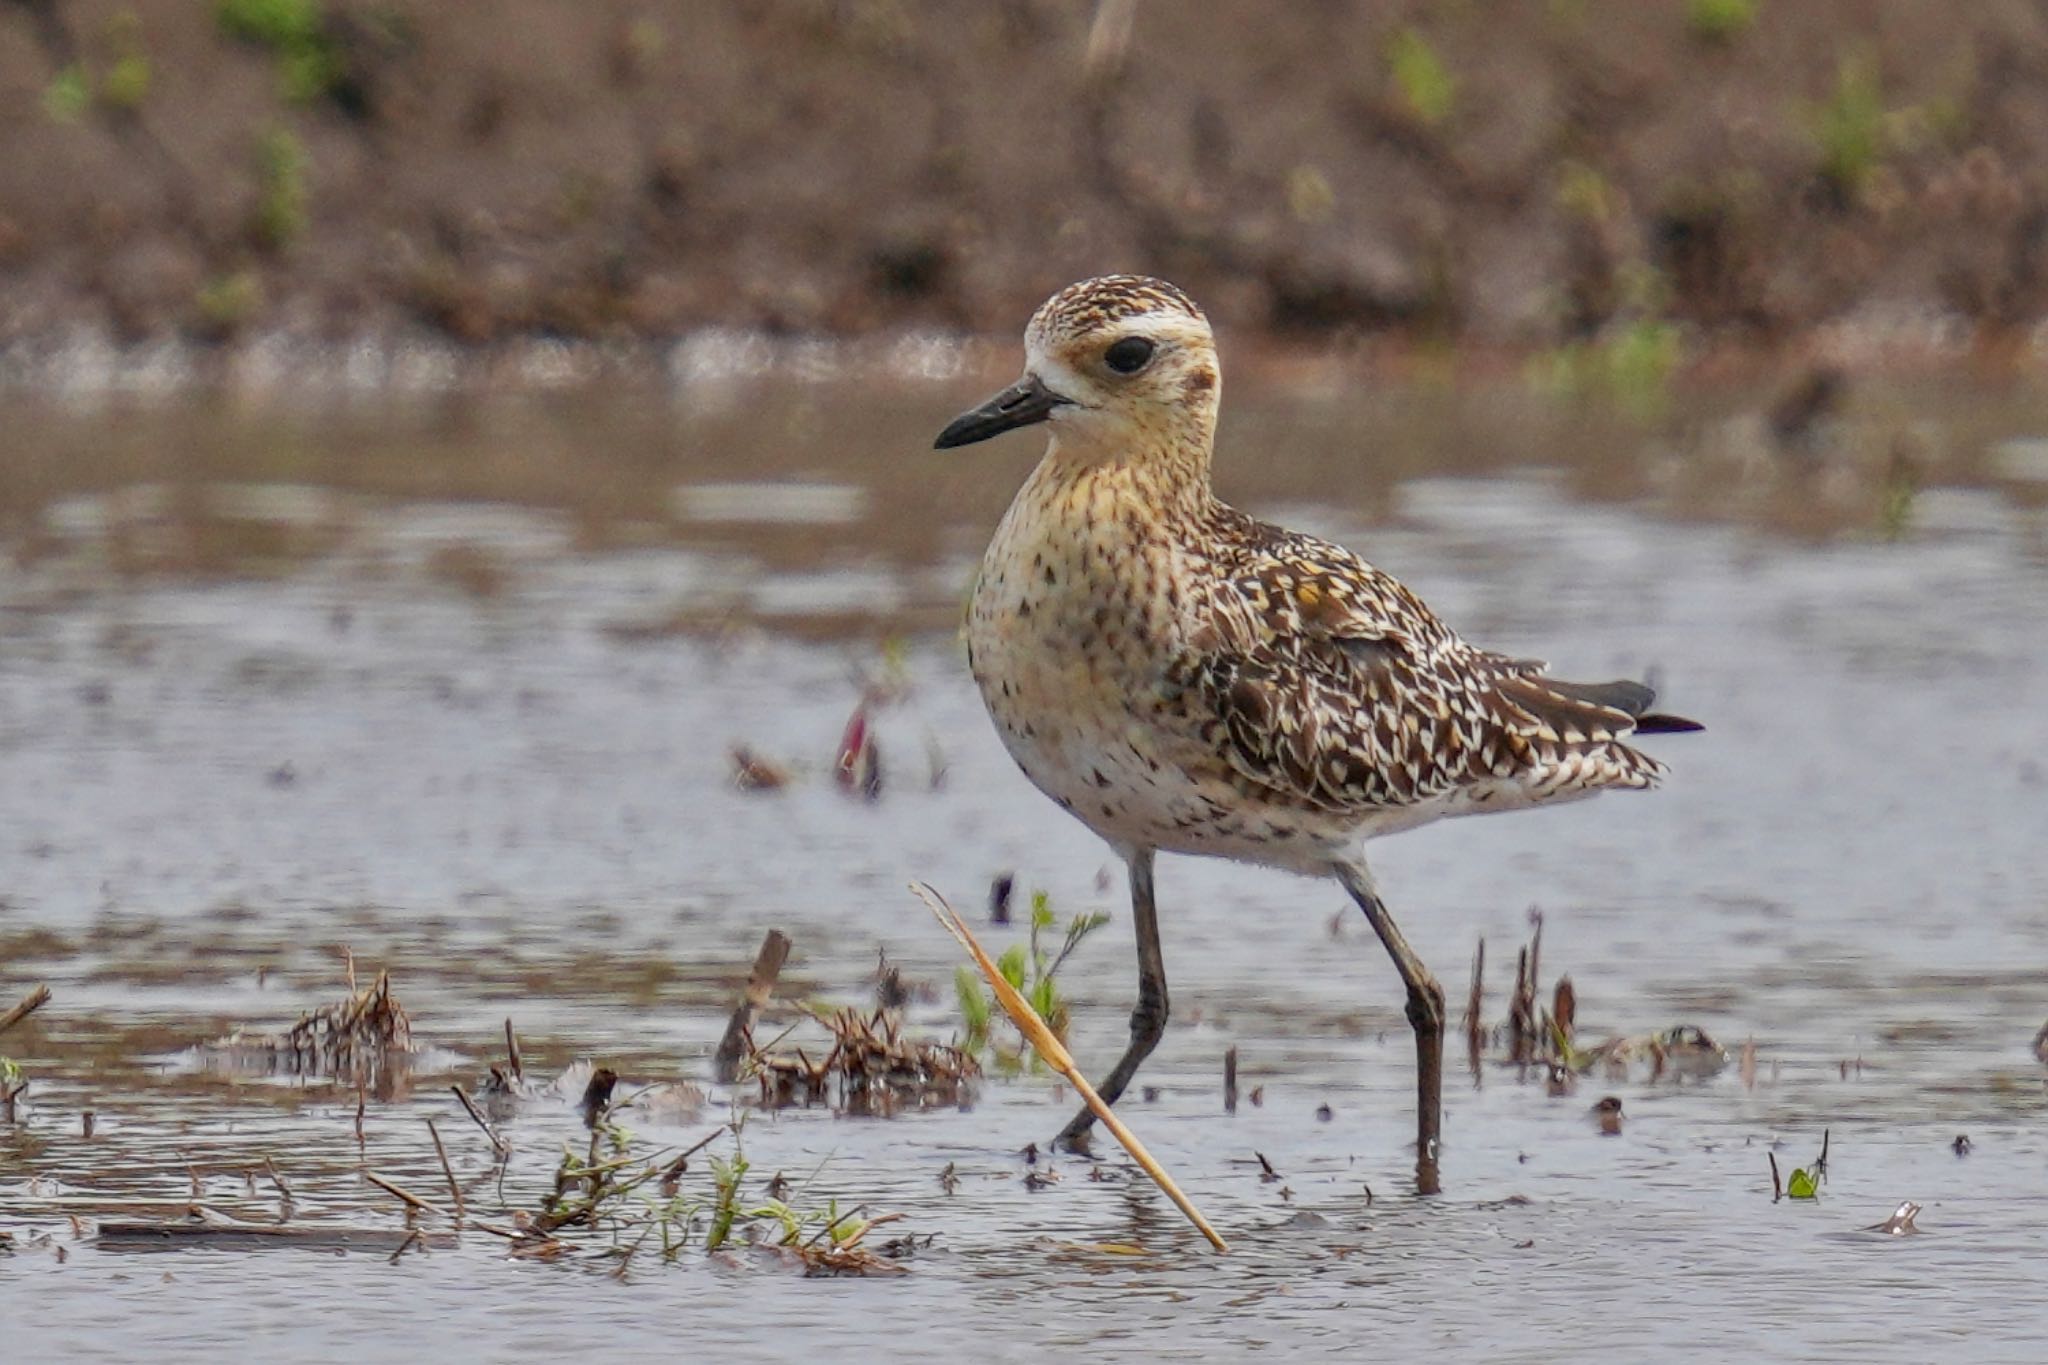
{"x": 1324, "y": 681}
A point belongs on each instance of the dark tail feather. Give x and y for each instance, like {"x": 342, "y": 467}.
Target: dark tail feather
{"x": 1634, "y": 698}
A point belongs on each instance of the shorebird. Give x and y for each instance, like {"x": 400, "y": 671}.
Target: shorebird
{"x": 1183, "y": 678}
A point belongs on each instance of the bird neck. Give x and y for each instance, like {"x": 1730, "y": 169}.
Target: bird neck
{"x": 1167, "y": 473}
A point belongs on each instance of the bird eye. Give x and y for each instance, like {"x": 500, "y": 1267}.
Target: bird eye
{"x": 1129, "y": 355}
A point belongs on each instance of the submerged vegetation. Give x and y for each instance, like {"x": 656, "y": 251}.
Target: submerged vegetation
{"x": 360, "y": 1037}
{"x": 619, "y": 1199}
{"x": 871, "y": 1067}
{"x": 1548, "y": 1038}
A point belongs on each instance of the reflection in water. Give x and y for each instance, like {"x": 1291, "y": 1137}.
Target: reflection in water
{"x": 272, "y": 687}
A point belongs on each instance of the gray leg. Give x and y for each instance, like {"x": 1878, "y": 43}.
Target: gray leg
{"x": 1425, "y": 1016}
{"x": 1148, "y": 1020}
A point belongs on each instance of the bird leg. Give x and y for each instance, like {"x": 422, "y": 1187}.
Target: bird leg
{"x": 1148, "y": 1020}
{"x": 1425, "y": 1016}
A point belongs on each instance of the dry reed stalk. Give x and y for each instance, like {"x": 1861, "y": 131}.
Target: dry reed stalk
{"x": 454, "y": 1190}
{"x": 1055, "y": 1054}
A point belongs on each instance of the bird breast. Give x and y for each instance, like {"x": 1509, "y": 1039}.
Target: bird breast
{"x": 1071, "y": 619}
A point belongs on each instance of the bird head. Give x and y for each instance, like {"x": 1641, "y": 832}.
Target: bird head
{"x": 1116, "y": 363}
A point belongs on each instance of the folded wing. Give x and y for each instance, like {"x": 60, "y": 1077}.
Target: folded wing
{"x": 1323, "y": 681}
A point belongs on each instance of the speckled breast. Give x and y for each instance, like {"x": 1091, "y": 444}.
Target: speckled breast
{"x": 1072, "y": 622}
{"x": 1065, "y": 638}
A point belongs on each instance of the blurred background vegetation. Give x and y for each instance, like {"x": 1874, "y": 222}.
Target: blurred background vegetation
{"x": 1548, "y": 173}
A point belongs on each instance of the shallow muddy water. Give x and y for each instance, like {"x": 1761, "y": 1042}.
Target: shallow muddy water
{"x": 453, "y": 683}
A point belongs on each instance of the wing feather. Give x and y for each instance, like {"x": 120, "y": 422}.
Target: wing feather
{"x": 1324, "y": 681}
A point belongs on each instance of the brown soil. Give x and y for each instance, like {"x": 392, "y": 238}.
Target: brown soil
{"x": 1509, "y": 173}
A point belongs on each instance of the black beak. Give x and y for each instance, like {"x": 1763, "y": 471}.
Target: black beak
{"x": 1025, "y": 402}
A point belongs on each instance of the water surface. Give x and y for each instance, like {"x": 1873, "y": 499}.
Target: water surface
{"x": 453, "y": 684}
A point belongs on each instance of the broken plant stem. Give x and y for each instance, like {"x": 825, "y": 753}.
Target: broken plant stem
{"x": 405, "y": 1196}
{"x": 681, "y": 1164}
{"x": 1049, "y": 1047}
{"x": 498, "y": 1144}
{"x": 454, "y": 1189}
{"x": 28, "y": 1005}
{"x": 725, "y": 1064}
{"x": 407, "y": 1245}
{"x": 1475, "y": 1002}
{"x": 284, "y": 1190}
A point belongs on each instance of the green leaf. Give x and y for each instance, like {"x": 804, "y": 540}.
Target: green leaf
{"x": 1041, "y": 910}
{"x": 272, "y": 23}
{"x": 974, "y": 1002}
{"x": 1044, "y": 997}
{"x": 281, "y": 163}
{"x": 1850, "y": 126}
{"x": 126, "y": 82}
{"x": 1013, "y": 964}
{"x": 68, "y": 95}
{"x": 1426, "y": 86}
{"x": 1720, "y": 21}
{"x": 1804, "y": 1184}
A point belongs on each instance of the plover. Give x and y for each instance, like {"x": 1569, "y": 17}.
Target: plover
{"x": 1183, "y": 678}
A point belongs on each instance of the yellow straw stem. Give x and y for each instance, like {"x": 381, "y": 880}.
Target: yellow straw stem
{"x": 1049, "y": 1047}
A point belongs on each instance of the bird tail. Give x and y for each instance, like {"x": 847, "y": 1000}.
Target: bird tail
{"x": 1632, "y": 699}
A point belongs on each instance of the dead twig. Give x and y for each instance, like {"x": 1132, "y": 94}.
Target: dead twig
{"x": 512, "y": 1052}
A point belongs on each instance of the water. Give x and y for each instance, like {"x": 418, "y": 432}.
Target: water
{"x": 454, "y": 684}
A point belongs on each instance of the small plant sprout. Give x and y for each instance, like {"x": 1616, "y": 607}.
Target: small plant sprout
{"x": 1427, "y": 88}
{"x": 1850, "y": 127}
{"x": 1032, "y": 970}
{"x": 68, "y": 95}
{"x": 1720, "y": 21}
{"x": 281, "y": 163}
